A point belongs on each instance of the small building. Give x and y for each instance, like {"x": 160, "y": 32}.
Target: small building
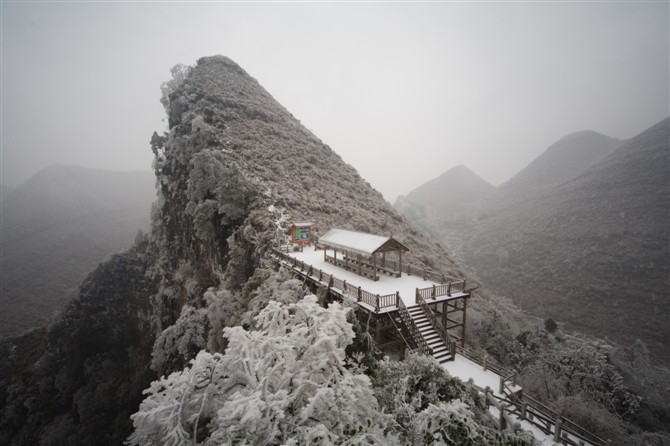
{"x": 303, "y": 233}
{"x": 365, "y": 254}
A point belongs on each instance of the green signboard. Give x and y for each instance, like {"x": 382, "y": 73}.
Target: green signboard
{"x": 301, "y": 234}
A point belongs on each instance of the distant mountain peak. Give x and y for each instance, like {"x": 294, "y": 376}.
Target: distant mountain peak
{"x": 460, "y": 177}
{"x": 562, "y": 161}
{"x": 580, "y": 134}
{"x": 458, "y": 187}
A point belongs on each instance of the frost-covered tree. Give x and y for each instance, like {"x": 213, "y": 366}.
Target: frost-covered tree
{"x": 182, "y": 340}
{"x": 287, "y": 381}
{"x": 179, "y": 74}
{"x": 215, "y": 190}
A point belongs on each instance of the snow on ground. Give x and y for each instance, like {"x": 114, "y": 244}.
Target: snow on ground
{"x": 406, "y": 284}
{"x": 465, "y": 369}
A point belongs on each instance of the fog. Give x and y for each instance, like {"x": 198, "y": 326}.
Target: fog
{"x": 401, "y": 91}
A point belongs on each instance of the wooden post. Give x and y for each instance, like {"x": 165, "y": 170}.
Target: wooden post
{"x": 377, "y": 306}
{"x": 346, "y": 260}
{"x": 416, "y": 296}
{"x": 359, "y": 264}
{"x": 557, "y": 432}
{"x": 359, "y": 294}
{"x": 344, "y": 285}
{"x": 434, "y": 292}
{"x": 374, "y": 266}
{"x": 400, "y": 263}
{"x": 485, "y": 359}
{"x": 335, "y": 254}
{"x": 397, "y": 298}
{"x": 503, "y": 423}
{"x": 465, "y": 312}
{"x": 502, "y": 386}
{"x": 449, "y": 289}
{"x": 524, "y": 407}
{"x": 320, "y": 275}
{"x": 383, "y": 259}
{"x": 325, "y": 251}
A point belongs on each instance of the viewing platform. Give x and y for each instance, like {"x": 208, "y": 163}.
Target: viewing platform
{"x": 401, "y": 305}
{"x": 378, "y": 296}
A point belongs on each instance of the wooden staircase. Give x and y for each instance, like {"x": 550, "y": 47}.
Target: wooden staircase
{"x": 439, "y": 349}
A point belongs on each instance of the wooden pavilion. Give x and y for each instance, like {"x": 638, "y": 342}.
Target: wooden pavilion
{"x": 362, "y": 253}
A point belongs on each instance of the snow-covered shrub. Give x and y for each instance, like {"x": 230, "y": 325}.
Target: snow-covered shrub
{"x": 287, "y": 380}
{"x": 453, "y": 424}
{"x": 431, "y": 407}
{"x": 277, "y": 286}
{"x": 407, "y": 387}
{"x": 181, "y": 341}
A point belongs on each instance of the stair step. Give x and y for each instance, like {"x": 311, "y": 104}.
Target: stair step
{"x": 441, "y": 356}
{"x": 440, "y": 349}
{"x": 433, "y": 337}
{"x": 444, "y": 360}
{"x": 435, "y": 342}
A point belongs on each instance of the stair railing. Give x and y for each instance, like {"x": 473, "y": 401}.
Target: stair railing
{"x": 413, "y": 329}
{"x": 434, "y": 320}
{"x": 402, "y": 331}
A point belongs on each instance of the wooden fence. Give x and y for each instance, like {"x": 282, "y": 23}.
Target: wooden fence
{"x": 436, "y": 291}
{"x": 529, "y": 409}
{"x": 376, "y": 301}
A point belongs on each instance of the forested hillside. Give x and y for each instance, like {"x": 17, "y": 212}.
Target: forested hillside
{"x": 580, "y": 235}
{"x": 56, "y": 227}
{"x": 192, "y": 337}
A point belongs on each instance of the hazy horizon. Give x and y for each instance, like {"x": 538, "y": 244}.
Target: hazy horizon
{"x": 403, "y": 92}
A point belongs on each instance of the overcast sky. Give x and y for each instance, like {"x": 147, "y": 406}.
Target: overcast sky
{"x": 402, "y": 91}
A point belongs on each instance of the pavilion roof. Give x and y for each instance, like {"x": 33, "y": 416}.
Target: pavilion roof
{"x": 360, "y": 242}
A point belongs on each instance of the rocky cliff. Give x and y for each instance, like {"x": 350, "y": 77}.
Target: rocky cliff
{"x": 233, "y": 163}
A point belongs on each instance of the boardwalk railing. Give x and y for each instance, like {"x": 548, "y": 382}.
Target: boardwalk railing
{"x": 376, "y": 301}
{"x": 529, "y": 409}
{"x": 436, "y": 291}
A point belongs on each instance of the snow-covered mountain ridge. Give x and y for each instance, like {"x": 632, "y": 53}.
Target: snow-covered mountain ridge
{"x": 185, "y": 314}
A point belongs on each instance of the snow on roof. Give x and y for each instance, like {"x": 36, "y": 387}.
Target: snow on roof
{"x": 355, "y": 241}
{"x": 303, "y": 223}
